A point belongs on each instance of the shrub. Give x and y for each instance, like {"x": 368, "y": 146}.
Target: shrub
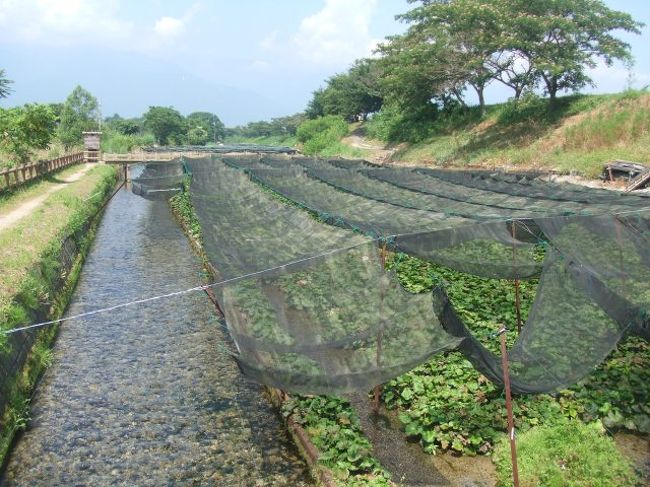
{"x": 566, "y": 454}
{"x": 321, "y": 133}
{"x": 394, "y": 124}
{"x": 120, "y": 143}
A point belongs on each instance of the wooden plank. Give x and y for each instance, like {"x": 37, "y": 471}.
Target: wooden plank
{"x": 639, "y": 181}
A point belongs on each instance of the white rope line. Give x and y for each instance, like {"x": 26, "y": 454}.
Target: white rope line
{"x": 179, "y": 293}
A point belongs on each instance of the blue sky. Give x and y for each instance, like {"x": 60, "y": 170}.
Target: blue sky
{"x": 245, "y": 60}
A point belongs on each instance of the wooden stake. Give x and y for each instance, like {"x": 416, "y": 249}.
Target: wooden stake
{"x": 511, "y": 422}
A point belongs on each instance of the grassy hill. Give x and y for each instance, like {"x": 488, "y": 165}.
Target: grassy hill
{"x": 580, "y": 135}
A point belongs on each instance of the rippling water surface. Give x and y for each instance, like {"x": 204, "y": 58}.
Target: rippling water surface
{"x": 145, "y": 395}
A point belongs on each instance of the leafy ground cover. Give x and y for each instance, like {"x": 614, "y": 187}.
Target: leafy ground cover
{"x": 447, "y": 405}
{"x": 334, "y": 429}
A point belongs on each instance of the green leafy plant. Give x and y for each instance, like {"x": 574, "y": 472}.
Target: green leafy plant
{"x": 448, "y": 406}
{"x": 334, "y": 428}
{"x": 317, "y": 135}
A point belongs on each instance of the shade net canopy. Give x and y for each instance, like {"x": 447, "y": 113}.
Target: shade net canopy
{"x": 310, "y": 307}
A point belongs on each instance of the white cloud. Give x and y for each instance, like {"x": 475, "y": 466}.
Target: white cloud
{"x": 338, "y": 34}
{"x": 62, "y": 22}
{"x": 169, "y": 27}
{"x": 90, "y": 22}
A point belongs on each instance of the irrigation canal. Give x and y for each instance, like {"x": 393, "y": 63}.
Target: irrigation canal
{"x": 144, "y": 396}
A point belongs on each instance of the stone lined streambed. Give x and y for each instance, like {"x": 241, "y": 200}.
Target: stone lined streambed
{"x": 145, "y": 395}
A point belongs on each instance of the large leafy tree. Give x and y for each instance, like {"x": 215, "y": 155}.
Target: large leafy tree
{"x": 5, "y": 85}
{"x": 354, "y": 94}
{"x": 80, "y": 113}
{"x": 166, "y": 124}
{"x": 453, "y": 44}
{"x": 25, "y": 129}
{"x": 208, "y": 122}
{"x": 561, "y": 39}
{"x": 456, "y": 40}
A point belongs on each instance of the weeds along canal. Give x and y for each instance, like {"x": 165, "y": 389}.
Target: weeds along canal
{"x": 145, "y": 395}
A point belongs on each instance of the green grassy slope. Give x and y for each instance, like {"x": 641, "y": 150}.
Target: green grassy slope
{"x": 580, "y": 135}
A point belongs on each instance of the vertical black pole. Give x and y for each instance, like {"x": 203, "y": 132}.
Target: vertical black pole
{"x": 511, "y": 421}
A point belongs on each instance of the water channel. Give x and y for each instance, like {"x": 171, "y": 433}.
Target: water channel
{"x": 146, "y": 395}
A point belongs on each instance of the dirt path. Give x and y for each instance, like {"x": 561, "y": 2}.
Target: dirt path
{"x": 379, "y": 152}
{"x": 27, "y": 207}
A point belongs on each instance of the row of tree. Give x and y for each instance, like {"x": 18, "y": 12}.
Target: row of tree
{"x": 26, "y": 129}
{"x": 277, "y": 127}
{"x": 452, "y": 46}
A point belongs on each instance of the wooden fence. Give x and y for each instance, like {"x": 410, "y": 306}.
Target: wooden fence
{"x": 16, "y": 176}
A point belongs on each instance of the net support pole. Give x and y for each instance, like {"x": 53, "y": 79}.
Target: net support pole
{"x": 511, "y": 421}
{"x": 517, "y": 286}
{"x": 377, "y": 390}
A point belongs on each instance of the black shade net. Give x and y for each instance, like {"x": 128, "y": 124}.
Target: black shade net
{"x": 311, "y": 308}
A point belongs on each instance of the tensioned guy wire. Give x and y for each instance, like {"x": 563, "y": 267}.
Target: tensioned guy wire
{"x": 176, "y": 293}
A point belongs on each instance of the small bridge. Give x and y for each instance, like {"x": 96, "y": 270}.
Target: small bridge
{"x": 141, "y": 156}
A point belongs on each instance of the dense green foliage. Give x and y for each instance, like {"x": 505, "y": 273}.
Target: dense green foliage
{"x": 166, "y": 124}
{"x": 25, "y": 129}
{"x": 80, "y": 113}
{"x": 448, "y": 405}
{"x": 566, "y": 453}
{"x": 334, "y": 429}
{"x": 352, "y": 95}
{"x": 320, "y": 133}
{"x": 204, "y": 127}
{"x": 116, "y": 142}
{"x": 280, "y": 128}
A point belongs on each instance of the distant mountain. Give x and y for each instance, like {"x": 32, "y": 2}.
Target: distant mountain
{"x": 126, "y": 84}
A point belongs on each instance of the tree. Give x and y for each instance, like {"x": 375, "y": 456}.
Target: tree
{"x": 562, "y": 38}
{"x": 209, "y": 122}
{"x": 25, "y": 129}
{"x": 459, "y": 39}
{"x": 166, "y": 123}
{"x": 198, "y": 136}
{"x": 5, "y": 85}
{"x": 287, "y": 125}
{"x": 80, "y": 113}
{"x": 352, "y": 95}
{"x": 315, "y": 105}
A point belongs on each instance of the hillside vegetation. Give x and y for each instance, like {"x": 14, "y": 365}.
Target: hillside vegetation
{"x": 580, "y": 135}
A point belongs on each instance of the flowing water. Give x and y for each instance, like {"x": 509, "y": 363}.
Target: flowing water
{"x": 146, "y": 395}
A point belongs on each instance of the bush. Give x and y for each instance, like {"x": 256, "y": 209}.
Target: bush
{"x": 566, "y": 454}
{"x": 116, "y": 142}
{"x": 394, "y": 124}
{"x": 321, "y": 133}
